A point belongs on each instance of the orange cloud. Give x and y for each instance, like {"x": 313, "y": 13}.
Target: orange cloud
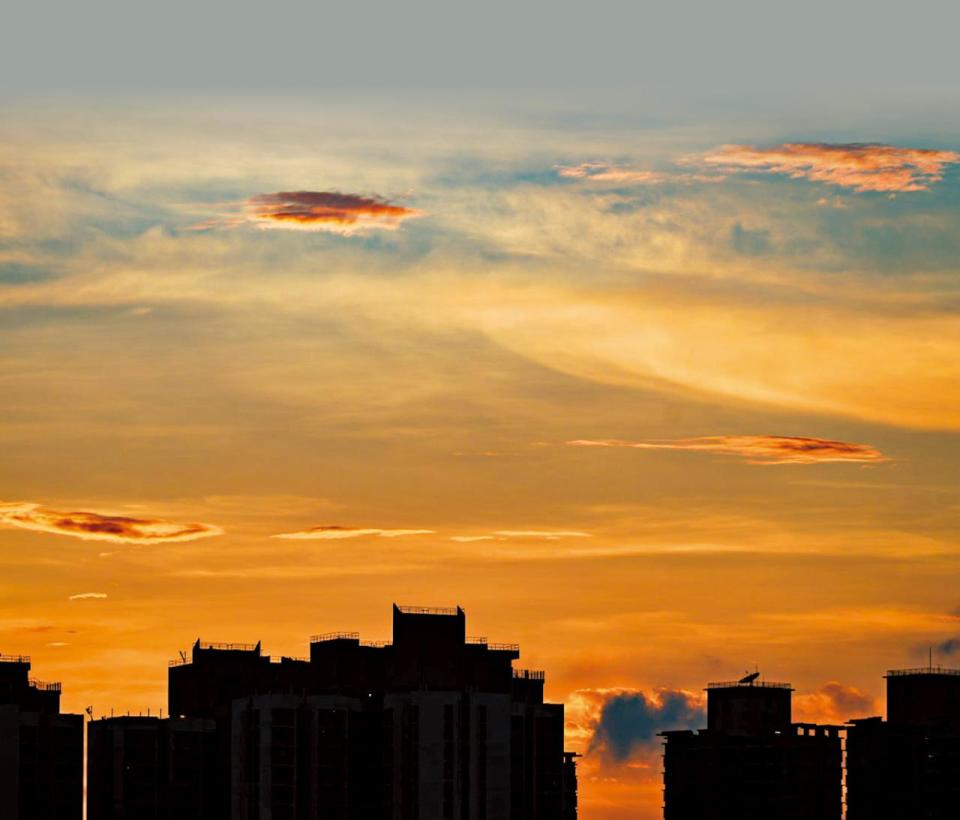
{"x": 334, "y": 532}
{"x": 92, "y": 526}
{"x": 549, "y": 535}
{"x": 835, "y": 703}
{"x": 326, "y": 211}
{"x": 602, "y": 172}
{"x": 625, "y": 174}
{"x": 860, "y": 166}
{"x": 756, "y": 449}
{"x": 87, "y": 596}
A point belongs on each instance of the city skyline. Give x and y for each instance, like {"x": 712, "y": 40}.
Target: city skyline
{"x": 631, "y": 329}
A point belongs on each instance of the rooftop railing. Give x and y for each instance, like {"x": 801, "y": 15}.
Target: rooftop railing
{"x": 43, "y": 686}
{"x": 530, "y": 674}
{"x": 14, "y": 659}
{"x": 429, "y": 610}
{"x": 179, "y": 662}
{"x": 229, "y": 647}
{"x": 477, "y": 639}
{"x": 757, "y": 684}
{"x": 503, "y": 647}
{"x": 922, "y": 670}
{"x": 327, "y": 637}
{"x": 376, "y": 644}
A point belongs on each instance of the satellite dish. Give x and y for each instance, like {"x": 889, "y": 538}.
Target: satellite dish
{"x": 749, "y": 678}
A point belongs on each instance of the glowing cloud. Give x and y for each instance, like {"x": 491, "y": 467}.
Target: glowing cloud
{"x": 756, "y": 449}
{"x": 834, "y": 702}
{"x": 326, "y": 211}
{"x": 469, "y": 539}
{"x": 627, "y": 175}
{"x": 860, "y": 166}
{"x": 550, "y": 535}
{"x": 85, "y": 596}
{"x": 602, "y": 172}
{"x": 329, "y": 533}
{"x": 92, "y": 526}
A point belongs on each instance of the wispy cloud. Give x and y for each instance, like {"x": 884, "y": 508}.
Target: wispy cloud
{"x": 88, "y": 596}
{"x": 469, "y": 539}
{"x": 330, "y": 211}
{"x": 630, "y": 175}
{"x": 604, "y": 172}
{"x": 756, "y": 449}
{"x": 860, "y": 166}
{"x": 94, "y": 526}
{"x": 335, "y": 532}
{"x": 550, "y": 535}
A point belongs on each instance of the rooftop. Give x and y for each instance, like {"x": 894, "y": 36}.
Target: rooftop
{"x": 922, "y": 670}
{"x": 14, "y": 659}
{"x": 429, "y": 610}
{"x": 757, "y": 684}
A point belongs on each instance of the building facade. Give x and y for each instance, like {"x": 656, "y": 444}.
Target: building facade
{"x": 752, "y": 762}
{"x": 41, "y": 750}
{"x": 908, "y": 766}
{"x": 150, "y": 768}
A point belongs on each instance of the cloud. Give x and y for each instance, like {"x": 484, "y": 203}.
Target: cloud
{"x": 627, "y": 175}
{"x": 469, "y": 539}
{"x": 92, "y": 526}
{"x": 628, "y": 721}
{"x": 834, "y": 703}
{"x": 602, "y": 172}
{"x": 334, "y": 532}
{"x": 326, "y": 211}
{"x": 755, "y": 449}
{"x": 950, "y": 647}
{"x": 860, "y": 166}
{"x": 88, "y": 596}
{"x": 550, "y": 535}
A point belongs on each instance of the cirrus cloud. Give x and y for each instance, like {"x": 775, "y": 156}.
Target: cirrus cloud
{"x": 860, "y": 166}
{"x": 85, "y": 596}
{"x": 335, "y": 532}
{"x": 755, "y": 449}
{"x": 94, "y": 526}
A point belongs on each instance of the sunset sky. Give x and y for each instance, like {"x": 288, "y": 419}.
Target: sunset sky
{"x": 661, "y": 384}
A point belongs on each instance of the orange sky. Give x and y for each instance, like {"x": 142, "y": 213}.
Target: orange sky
{"x": 689, "y": 407}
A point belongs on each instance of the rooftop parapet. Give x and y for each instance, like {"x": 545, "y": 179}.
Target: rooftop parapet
{"x": 15, "y": 659}
{"x": 228, "y": 647}
{"x": 922, "y": 670}
{"x": 757, "y": 684}
{"x": 44, "y": 686}
{"x": 529, "y": 674}
{"x": 429, "y": 610}
{"x": 329, "y": 637}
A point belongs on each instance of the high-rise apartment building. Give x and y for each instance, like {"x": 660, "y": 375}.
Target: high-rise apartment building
{"x": 434, "y": 724}
{"x": 907, "y": 767}
{"x": 41, "y": 750}
{"x": 752, "y": 762}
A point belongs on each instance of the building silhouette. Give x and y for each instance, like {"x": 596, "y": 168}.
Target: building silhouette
{"x": 146, "y": 768}
{"x": 434, "y": 725}
{"x": 752, "y": 762}
{"x": 41, "y": 750}
{"x": 908, "y": 766}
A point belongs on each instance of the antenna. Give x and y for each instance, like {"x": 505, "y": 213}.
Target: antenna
{"x": 183, "y": 656}
{"x": 89, "y": 711}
